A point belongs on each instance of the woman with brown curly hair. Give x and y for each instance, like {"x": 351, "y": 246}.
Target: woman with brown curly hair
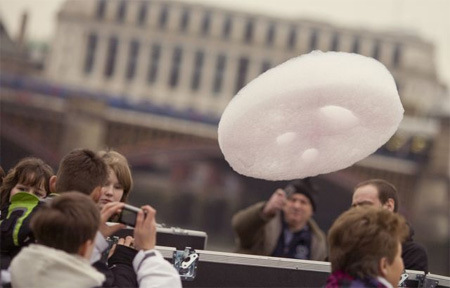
{"x": 365, "y": 248}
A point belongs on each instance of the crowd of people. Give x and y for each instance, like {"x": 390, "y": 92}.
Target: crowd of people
{"x": 55, "y": 227}
{"x": 283, "y": 226}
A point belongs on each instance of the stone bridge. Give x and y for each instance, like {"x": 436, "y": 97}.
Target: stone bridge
{"x": 48, "y": 121}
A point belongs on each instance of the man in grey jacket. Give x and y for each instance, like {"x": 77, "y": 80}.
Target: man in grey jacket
{"x": 282, "y": 226}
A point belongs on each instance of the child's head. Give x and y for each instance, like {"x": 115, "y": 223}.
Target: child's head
{"x": 69, "y": 222}
{"x": 81, "y": 170}
{"x": 30, "y": 175}
{"x": 119, "y": 182}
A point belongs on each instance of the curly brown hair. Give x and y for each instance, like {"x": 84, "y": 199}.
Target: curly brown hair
{"x": 361, "y": 237}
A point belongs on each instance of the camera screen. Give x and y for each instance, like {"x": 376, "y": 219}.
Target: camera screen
{"x": 128, "y": 217}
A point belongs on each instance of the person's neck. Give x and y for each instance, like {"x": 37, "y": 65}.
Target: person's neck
{"x": 295, "y": 227}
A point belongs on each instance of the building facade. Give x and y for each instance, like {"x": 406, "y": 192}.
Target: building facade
{"x": 195, "y": 57}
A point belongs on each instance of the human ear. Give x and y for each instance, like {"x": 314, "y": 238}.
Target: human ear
{"x": 85, "y": 249}
{"x": 52, "y": 183}
{"x": 390, "y": 204}
{"x": 383, "y": 267}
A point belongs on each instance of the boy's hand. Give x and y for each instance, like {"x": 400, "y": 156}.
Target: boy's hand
{"x": 145, "y": 230}
{"x": 128, "y": 242}
{"x": 107, "y": 211}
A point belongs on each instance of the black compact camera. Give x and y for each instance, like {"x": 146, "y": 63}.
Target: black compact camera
{"x": 128, "y": 215}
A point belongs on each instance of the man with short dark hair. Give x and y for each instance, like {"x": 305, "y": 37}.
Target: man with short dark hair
{"x": 80, "y": 170}
{"x": 282, "y": 226}
{"x": 381, "y": 193}
{"x": 84, "y": 171}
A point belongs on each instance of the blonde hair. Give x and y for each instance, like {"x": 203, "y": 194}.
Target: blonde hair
{"x": 119, "y": 164}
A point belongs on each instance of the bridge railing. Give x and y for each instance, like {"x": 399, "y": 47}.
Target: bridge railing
{"x": 46, "y": 87}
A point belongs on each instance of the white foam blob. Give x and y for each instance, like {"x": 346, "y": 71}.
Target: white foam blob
{"x": 313, "y": 114}
{"x": 247, "y": 161}
{"x": 337, "y": 118}
{"x": 310, "y": 155}
{"x": 286, "y": 138}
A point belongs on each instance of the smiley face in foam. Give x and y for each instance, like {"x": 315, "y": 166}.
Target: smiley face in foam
{"x": 313, "y": 114}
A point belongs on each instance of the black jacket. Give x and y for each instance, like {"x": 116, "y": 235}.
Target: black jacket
{"x": 414, "y": 255}
{"x": 119, "y": 271}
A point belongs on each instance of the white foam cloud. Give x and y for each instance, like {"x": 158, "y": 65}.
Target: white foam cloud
{"x": 313, "y": 114}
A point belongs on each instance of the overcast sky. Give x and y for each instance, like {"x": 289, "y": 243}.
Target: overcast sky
{"x": 428, "y": 18}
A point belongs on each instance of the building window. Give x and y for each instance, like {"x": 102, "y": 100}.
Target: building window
{"x": 265, "y": 66}
{"x": 154, "y": 61}
{"x": 313, "y": 40}
{"x": 241, "y": 73}
{"x": 292, "y": 39}
{"x": 355, "y": 46}
{"x": 164, "y": 14}
{"x": 101, "y": 8}
{"x": 396, "y": 55}
{"x": 220, "y": 72}
{"x": 133, "y": 54}
{"x": 197, "y": 73}
{"x": 142, "y": 13}
{"x": 376, "y": 50}
{"x": 121, "y": 11}
{"x": 184, "y": 20}
{"x": 227, "y": 27}
{"x": 111, "y": 57}
{"x": 90, "y": 53}
{"x": 206, "y": 23}
{"x": 175, "y": 69}
{"x": 335, "y": 43}
{"x": 270, "y": 34}
{"x": 248, "y": 36}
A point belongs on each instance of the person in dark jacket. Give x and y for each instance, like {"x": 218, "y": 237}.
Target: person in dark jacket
{"x": 20, "y": 192}
{"x": 381, "y": 193}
